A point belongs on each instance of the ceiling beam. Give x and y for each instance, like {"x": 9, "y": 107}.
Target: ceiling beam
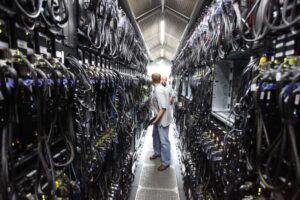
{"x": 156, "y": 36}
{"x": 183, "y": 17}
{"x": 156, "y": 47}
{"x": 167, "y": 56}
{"x": 165, "y": 47}
{"x": 148, "y": 14}
{"x": 172, "y": 36}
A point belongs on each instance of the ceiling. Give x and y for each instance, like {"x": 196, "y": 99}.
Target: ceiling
{"x": 149, "y": 14}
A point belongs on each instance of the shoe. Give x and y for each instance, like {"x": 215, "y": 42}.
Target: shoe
{"x": 163, "y": 168}
{"x": 153, "y": 157}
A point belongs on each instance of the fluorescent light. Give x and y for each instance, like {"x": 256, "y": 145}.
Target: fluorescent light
{"x": 162, "y": 31}
{"x": 162, "y": 52}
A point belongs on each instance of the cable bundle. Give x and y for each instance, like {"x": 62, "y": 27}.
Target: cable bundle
{"x": 277, "y": 153}
{"x": 234, "y": 26}
{"x": 109, "y": 29}
{"x": 53, "y": 13}
{"x": 75, "y": 120}
{"x": 256, "y": 157}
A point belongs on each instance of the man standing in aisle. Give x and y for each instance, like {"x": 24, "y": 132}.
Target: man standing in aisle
{"x": 162, "y": 121}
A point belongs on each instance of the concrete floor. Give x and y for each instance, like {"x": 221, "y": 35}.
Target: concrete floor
{"x": 150, "y": 184}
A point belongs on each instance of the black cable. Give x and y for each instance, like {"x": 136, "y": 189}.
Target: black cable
{"x": 30, "y": 14}
{"x": 57, "y": 118}
{"x": 259, "y": 156}
{"x": 62, "y": 5}
{"x": 4, "y": 163}
{"x": 291, "y": 130}
{"x": 43, "y": 149}
{"x": 268, "y": 14}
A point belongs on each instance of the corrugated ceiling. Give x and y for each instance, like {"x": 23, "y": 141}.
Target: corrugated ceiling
{"x": 183, "y": 6}
{"x": 148, "y": 15}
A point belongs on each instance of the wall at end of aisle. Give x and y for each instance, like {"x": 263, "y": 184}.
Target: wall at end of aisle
{"x": 161, "y": 65}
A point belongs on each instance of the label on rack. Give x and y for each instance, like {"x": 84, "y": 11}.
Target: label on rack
{"x": 268, "y": 95}
{"x": 3, "y": 45}
{"x": 22, "y": 44}
{"x": 1, "y": 96}
{"x": 297, "y": 99}
{"x": 29, "y": 51}
{"x": 43, "y": 50}
{"x": 58, "y": 54}
{"x": 262, "y": 95}
{"x": 278, "y": 76}
{"x": 253, "y": 87}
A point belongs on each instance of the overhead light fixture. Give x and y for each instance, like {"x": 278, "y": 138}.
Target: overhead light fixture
{"x": 162, "y": 52}
{"x": 162, "y": 31}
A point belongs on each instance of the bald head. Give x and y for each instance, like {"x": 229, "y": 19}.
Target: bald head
{"x": 156, "y": 78}
{"x": 164, "y": 80}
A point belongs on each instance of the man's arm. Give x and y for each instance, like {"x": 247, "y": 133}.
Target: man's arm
{"x": 162, "y": 98}
{"x": 159, "y": 115}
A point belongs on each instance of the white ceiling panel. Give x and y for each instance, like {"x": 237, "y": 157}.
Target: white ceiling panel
{"x": 148, "y": 15}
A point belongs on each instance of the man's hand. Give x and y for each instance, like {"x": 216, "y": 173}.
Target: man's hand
{"x": 151, "y": 122}
{"x": 154, "y": 122}
{"x": 159, "y": 116}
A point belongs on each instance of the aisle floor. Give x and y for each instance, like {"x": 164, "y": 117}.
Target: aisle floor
{"x": 150, "y": 184}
